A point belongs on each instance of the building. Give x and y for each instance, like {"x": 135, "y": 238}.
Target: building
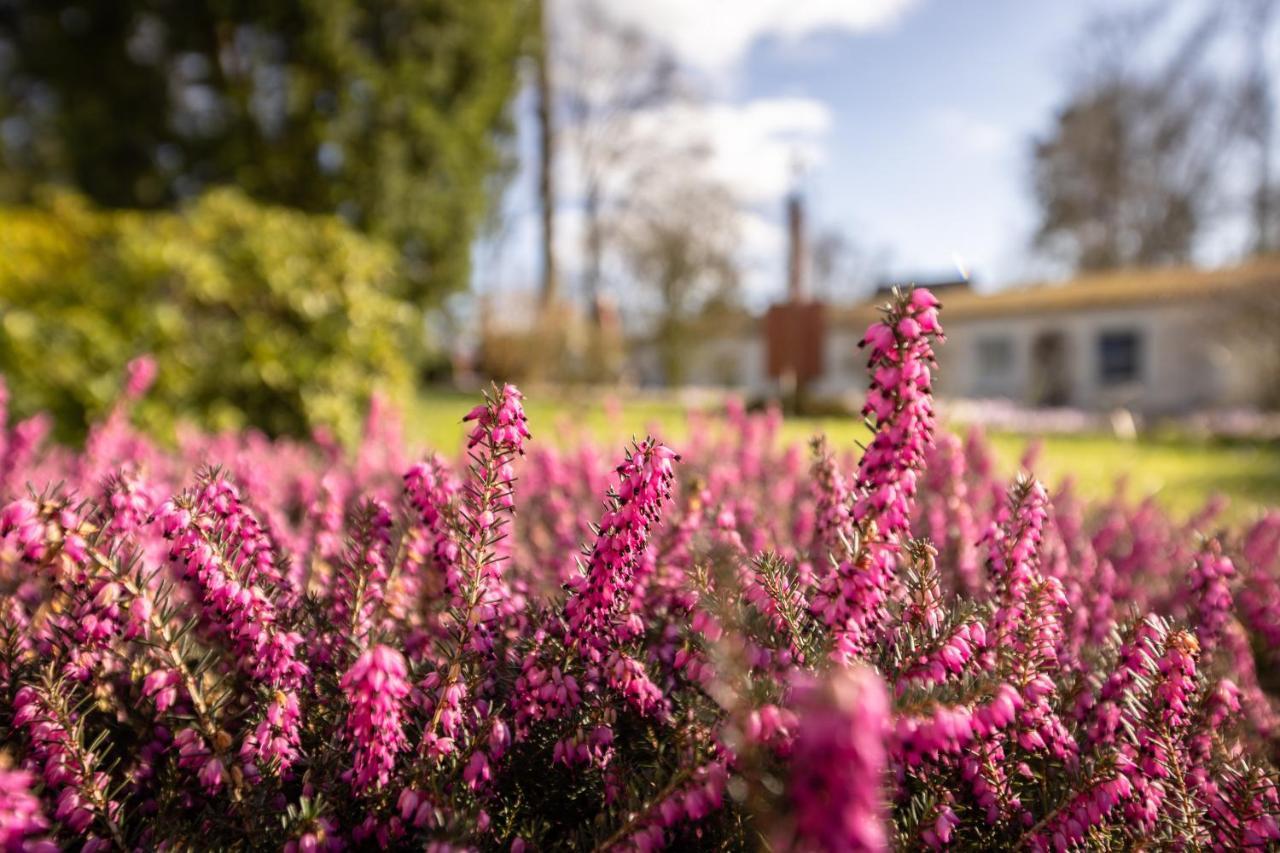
{"x": 1161, "y": 341}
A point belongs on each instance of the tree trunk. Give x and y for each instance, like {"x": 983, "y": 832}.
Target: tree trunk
{"x": 594, "y": 249}
{"x": 546, "y": 155}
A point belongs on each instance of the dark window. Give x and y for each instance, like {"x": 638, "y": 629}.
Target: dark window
{"x": 995, "y": 355}
{"x": 1119, "y": 357}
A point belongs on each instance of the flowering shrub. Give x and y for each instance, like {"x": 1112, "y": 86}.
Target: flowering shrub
{"x": 257, "y": 314}
{"x": 899, "y": 649}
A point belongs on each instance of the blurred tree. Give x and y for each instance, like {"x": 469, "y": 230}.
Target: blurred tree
{"x": 621, "y": 129}
{"x": 1129, "y": 172}
{"x": 546, "y": 153}
{"x": 1258, "y": 109}
{"x": 391, "y": 113}
{"x": 680, "y": 241}
{"x": 611, "y": 76}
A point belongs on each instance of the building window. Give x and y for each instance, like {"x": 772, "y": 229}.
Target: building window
{"x": 1119, "y": 357}
{"x": 995, "y": 355}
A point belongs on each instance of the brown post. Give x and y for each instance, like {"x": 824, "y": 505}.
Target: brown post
{"x": 795, "y": 329}
{"x": 797, "y": 287}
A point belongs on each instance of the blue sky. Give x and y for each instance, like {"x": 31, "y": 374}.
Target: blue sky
{"x": 927, "y": 149}
{"x": 913, "y": 118}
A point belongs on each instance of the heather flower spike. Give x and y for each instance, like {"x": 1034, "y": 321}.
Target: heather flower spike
{"x": 900, "y": 362}
{"x": 22, "y": 821}
{"x": 479, "y": 594}
{"x": 500, "y": 422}
{"x": 141, "y": 375}
{"x": 839, "y": 763}
{"x": 635, "y": 502}
{"x": 376, "y": 688}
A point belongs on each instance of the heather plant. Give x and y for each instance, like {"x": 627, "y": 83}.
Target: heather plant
{"x": 246, "y": 643}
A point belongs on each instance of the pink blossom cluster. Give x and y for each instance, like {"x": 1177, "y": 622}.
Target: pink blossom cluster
{"x": 376, "y": 687}
{"x": 220, "y": 552}
{"x": 852, "y": 597}
{"x": 950, "y": 658}
{"x": 360, "y": 583}
{"x": 700, "y": 796}
{"x": 69, "y": 769}
{"x": 1210, "y": 592}
{"x": 833, "y": 503}
{"x": 500, "y": 422}
{"x": 390, "y": 647}
{"x": 1069, "y": 827}
{"x": 951, "y": 729}
{"x": 644, "y": 485}
{"x": 839, "y": 763}
{"x": 22, "y": 821}
{"x": 900, "y": 356}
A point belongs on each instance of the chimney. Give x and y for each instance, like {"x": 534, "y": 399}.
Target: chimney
{"x": 797, "y": 287}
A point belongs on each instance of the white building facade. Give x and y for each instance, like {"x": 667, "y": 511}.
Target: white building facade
{"x": 1155, "y": 342}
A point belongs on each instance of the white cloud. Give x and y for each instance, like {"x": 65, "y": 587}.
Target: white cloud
{"x": 972, "y": 134}
{"x": 759, "y": 144}
{"x": 714, "y": 35}
{"x": 763, "y": 237}
{"x": 754, "y": 147}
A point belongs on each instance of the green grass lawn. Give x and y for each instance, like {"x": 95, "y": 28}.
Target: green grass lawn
{"x": 1182, "y": 472}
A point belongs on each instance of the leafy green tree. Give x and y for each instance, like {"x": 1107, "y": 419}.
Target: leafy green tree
{"x": 391, "y": 113}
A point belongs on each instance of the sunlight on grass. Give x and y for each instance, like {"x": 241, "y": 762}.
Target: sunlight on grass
{"x": 1181, "y": 472}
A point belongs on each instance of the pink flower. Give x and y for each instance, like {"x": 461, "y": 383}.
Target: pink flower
{"x": 899, "y": 361}
{"x": 227, "y": 561}
{"x": 376, "y": 687}
{"x": 1070, "y": 825}
{"x": 1013, "y": 542}
{"x": 161, "y": 685}
{"x": 22, "y": 820}
{"x": 500, "y": 422}
{"x": 141, "y": 374}
{"x": 69, "y": 769}
{"x": 360, "y": 584}
{"x": 21, "y": 532}
{"x": 833, "y": 514}
{"x": 839, "y": 761}
{"x": 703, "y": 795}
{"x": 477, "y": 773}
{"x": 643, "y": 486}
{"x": 1210, "y": 592}
{"x": 320, "y": 836}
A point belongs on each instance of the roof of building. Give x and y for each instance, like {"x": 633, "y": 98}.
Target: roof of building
{"x": 939, "y": 286}
{"x": 1119, "y": 289}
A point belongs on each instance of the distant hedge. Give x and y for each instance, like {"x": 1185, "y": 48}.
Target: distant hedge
{"x": 258, "y": 316}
